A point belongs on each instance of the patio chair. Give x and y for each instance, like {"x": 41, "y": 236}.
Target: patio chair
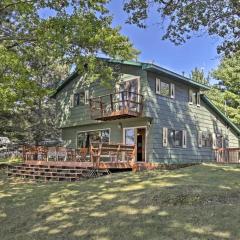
{"x": 62, "y": 154}
{"x": 52, "y": 154}
{"x": 81, "y": 154}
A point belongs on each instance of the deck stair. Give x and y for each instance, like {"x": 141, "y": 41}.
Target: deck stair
{"x": 54, "y": 173}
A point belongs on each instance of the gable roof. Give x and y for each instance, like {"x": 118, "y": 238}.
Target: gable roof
{"x": 207, "y": 101}
{"x": 145, "y": 66}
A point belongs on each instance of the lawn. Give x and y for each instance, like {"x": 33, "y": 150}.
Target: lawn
{"x": 198, "y": 202}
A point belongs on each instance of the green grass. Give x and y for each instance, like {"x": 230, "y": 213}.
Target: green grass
{"x": 10, "y": 160}
{"x": 198, "y": 202}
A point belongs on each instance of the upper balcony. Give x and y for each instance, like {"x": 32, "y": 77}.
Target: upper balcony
{"x": 123, "y": 104}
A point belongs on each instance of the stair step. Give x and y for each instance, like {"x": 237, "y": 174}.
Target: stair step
{"x": 41, "y": 172}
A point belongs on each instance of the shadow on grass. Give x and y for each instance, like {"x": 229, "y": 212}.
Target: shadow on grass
{"x": 200, "y": 202}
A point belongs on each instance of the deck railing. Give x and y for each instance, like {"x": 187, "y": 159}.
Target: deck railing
{"x": 104, "y": 152}
{"x": 227, "y": 155}
{"x": 112, "y": 152}
{"x": 116, "y": 105}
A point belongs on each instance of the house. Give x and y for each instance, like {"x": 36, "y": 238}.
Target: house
{"x": 166, "y": 115}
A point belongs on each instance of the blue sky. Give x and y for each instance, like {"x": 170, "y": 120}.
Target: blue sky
{"x": 197, "y": 52}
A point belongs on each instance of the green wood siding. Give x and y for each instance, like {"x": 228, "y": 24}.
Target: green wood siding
{"x": 165, "y": 112}
{"x": 178, "y": 114}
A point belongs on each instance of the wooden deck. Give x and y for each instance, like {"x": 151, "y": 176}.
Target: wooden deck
{"x": 123, "y": 104}
{"x": 227, "y": 155}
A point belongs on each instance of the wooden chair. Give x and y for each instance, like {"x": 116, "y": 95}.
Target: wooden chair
{"x": 71, "y": 154}
{"x": 41, "y": 153}
{"x": 81, "y": 154}
{"x": 52, "y": 153}
{"x": 62, "y": 154}
{"x": 30, "y": 153}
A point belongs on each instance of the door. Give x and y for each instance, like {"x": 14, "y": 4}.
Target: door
{"x": 136, "y": 136}
{"x": 129, "y": 94}
{"x": 141, "y": 132}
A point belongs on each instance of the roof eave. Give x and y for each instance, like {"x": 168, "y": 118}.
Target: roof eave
{"x": 224, "y": 117}
{"x": 152, "y": 67}
{"x": 64, "y": 83}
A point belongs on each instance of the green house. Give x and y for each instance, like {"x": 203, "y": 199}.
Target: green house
{"x": 166, "y": 115}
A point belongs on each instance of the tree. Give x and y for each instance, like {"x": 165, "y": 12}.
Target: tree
{"x": 216, "y": 17}
{"x": 33, "y": 48}
{"x": 226, "y": 94}
{"x": 198, "y": 76}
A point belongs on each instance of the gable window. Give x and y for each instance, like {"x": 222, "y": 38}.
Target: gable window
{"x": 76, "y": 99}
{"x": 194, "y": 97}
{"x": 174, "y": 138}
{"x": 80, "y": 98}
{"x": 165, "y": 89}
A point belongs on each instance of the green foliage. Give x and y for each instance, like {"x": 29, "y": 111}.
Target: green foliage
{"x": 226, "y": 95}
{"x": 198, "y": 76}
{"x": 182, "y": 18}
{"x": 35, "y": 50}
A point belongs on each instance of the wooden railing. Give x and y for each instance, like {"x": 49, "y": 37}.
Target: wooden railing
{"x": 227, "y": 155}
{"x": 107, "y": 152}
{"x": 112, "y": 152}
{"x": 116, "y": 105}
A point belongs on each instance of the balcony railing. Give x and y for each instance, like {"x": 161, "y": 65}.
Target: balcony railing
{"x": 123, "y": 104}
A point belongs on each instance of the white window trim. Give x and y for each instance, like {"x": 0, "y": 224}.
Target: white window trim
{"x": 214, "y": 141}
{"x": 200, "y": 143}
{"x": 184, "y": 138}
{"x": 146, "y": 137}
{"x": 172, "y": 90}
{"x": 72, "y": 101}
{"x": 190, "y": 96}
{"x": 158, "y": 86}
{"x": 198, "y": 99}
{"x": 86, "y": 96}
{"x": 165, "y": 137}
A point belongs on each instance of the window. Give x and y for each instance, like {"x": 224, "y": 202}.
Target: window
{"x": 165, "y": 89}
{"x": 194, "y": 97}
{"x": 174, "y": 138}
{"x": 80, "y": 98}
{"x": 129, "y": 136}
{"x": 206, "y": 139}
{"x": 76, "y": 99}
{"x": 84, "y": 139}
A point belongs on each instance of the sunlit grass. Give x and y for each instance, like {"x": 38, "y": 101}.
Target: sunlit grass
{"x": 10, "y": 160}
{"x": 199, "y": 202}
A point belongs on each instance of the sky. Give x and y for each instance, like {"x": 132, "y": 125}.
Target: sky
{"x": 197, "y": 52}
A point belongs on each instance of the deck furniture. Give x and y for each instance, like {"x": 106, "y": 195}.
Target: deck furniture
{"x": 81, "y": 154}
{"x": 52, "y": 154}
{"x": 61, "y": 153}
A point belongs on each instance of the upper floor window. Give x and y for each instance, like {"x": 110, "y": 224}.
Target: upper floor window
{"x": 80, "y": 98}
{"x": 194, "y": 97}
{"x": 165, "y": 89}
